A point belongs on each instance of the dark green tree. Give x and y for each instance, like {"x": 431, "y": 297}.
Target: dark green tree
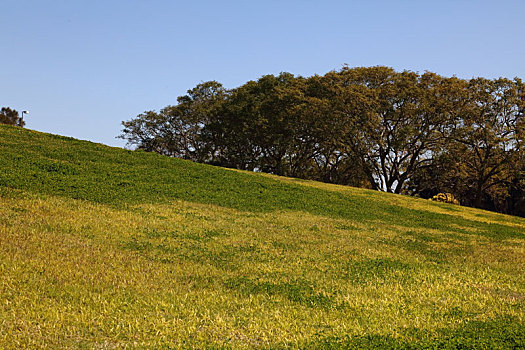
{"x": 482, "y": 161}
{"x": 10, "y": 116}
{"x": 176, "y": 130}
{"x": 393, "y": 121}
{"x": 401, "y": 132}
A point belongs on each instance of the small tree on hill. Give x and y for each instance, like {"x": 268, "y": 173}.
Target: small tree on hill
{"x": 10, "y": 116}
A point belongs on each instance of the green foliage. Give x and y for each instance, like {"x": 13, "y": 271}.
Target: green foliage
{"x": 176, "y": 130}
{"x": 10, "y": 116}
{"x": 371, "y": 127}
{"x": 483, "y": 161}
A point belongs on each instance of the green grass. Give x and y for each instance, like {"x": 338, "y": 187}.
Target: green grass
{"x": 102, "y": 247}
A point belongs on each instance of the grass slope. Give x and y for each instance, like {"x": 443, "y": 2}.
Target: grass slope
{"x": 105, "y": 248}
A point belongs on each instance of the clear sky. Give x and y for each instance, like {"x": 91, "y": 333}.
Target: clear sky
{"x": 82, "y": 66}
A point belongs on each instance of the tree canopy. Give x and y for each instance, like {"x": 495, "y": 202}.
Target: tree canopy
{"x": 10, "y": 116}
{"x": 374, "y": 127}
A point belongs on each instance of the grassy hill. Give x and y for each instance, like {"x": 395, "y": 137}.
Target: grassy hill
{"x": 103, "y": 247}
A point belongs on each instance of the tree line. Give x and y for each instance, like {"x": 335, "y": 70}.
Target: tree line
{"x": 371, "y": 127}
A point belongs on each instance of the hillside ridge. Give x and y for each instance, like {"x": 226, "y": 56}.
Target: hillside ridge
{"x": 107, "y": 247}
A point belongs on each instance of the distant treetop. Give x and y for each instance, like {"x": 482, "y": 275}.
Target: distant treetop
{"x": 10, "y": 116}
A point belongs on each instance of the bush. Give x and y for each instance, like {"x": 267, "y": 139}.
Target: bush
{"x": 445, "y": 198}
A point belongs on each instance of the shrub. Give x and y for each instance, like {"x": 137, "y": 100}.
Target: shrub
{"x": 445, "y": 198}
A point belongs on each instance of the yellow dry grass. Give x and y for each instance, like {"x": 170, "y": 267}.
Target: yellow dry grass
{"x": 80, "y": 274}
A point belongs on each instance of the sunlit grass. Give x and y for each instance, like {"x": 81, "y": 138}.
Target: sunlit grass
{"x": 183, "y": 273}
{"x": 339, "y": 268}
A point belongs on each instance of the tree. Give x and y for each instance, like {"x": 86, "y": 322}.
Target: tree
{"x": 334, "y": 106}
{"x": 401, "y": 132}
{"x": 482, "y": 159}
{"x": 260, "y": 127}
{"x": 10, "y": 116}
{"x": 395, "y": 121}
{"x": 176, "y": 130}
{"x": 487, "y": 146}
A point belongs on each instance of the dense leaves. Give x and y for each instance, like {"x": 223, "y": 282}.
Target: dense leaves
{"x": 399, "y": 132}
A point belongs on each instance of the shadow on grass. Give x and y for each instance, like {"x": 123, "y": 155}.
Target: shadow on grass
{"x": 297, "y": 291}
{"x": 504, "y": 333}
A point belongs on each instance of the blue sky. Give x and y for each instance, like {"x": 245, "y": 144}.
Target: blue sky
{"x": 81, "y": 67}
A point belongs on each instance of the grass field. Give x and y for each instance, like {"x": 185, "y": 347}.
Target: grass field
{"x": 107, "y": 248}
